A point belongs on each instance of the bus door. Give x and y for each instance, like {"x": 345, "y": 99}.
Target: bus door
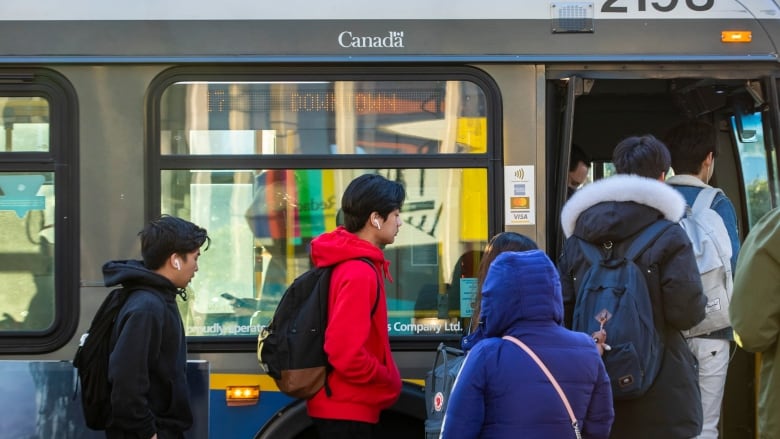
{"x": 755, "y": 128}
{"x": 597, "y": 109}
{"x": 561, "y": 99}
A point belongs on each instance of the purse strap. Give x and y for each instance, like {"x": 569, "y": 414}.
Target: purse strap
{"x": 552, "y": 379}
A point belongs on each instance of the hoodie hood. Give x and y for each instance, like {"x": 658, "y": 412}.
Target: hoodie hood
{"x": 129, "y": 273}
{"x": 340, "y": 245}
{"x": 626, "y": 204}
{"x": 520, "y": 287}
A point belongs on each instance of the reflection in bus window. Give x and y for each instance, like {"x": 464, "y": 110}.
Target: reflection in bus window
{"x": 323, "y": 118}
{"x": 262, "y": 222}
{"x": 753, "y": 161}
{"x": 25, "y": 125}
{"x": 26, "y": 251}
{"x": 26, "y": 220}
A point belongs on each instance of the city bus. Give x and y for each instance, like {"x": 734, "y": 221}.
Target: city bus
{"x": 250, "y": 119}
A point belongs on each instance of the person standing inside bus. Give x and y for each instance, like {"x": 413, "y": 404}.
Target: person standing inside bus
{"x": 148, "y": 361}
{"x": 579, "y": 165}
{"x": 364, "y": 379}
{"x": 692, "y": 145}
{"x": 755, "y": 314}
{"x": 500, "y": 391}
{"x": 614, "y": 210}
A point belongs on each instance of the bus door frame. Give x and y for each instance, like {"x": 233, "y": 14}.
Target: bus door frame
{"x": 773, "y": 168}
{"x": 574, "y": 89}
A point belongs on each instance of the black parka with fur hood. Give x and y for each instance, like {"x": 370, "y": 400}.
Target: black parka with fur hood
{"x": 616, "y": 209}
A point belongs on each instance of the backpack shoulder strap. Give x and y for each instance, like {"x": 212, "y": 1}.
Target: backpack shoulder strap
{"x": 705, "y": 198}
{"x": 378, "y": 279}
{"x": 591, "y": 251}
{"x": 704, "y": 201}
{"x": 646, "y": 237}
{"x": 121, "y": 294}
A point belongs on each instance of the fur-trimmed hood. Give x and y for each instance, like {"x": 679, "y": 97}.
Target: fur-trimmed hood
{"x": 643, "y": 195}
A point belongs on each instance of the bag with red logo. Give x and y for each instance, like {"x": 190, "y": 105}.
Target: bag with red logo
{"x": 438, "y": 385}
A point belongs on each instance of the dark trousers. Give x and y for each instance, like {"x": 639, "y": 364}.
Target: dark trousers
{"x": 339, "y": 429}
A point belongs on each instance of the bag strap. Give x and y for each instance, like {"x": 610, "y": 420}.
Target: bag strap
{"x": 443, "y": 352}
{"x": 703, "y": 201}
{"x": 552, "y": 379}
{"x": 378, "y": 279}
{"x": 647, "y": 237}
{"x": 591, "y": 251}
{"x": 705, "y": 198}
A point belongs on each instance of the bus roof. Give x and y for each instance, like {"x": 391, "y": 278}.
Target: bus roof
{"x": 56, "y": 10}
{"x": 355, "y": 30}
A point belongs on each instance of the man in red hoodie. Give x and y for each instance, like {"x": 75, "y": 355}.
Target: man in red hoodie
{"x": 364, "y": 379}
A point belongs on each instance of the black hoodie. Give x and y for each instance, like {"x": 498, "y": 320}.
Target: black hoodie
{"x": 147, "y": 367}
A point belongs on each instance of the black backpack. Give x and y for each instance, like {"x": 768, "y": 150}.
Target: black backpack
{"x": 614, "y": 289}
{"x": 290, "y": 348}
{"x": 91, "y": 360}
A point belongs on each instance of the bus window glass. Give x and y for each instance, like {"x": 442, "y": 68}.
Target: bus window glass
{"x": 323, "y": 118}
{"x": 26, "y": 251}
{"x": 753, "y": 161}
{"x": 25, "y": 124}
{"x": 262, "y": 221}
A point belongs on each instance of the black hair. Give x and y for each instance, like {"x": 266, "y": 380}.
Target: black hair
{"x": 689, "y": 144}
{"x": 168, "y": 235}
{"x": 578, "y": 155}
{"x": 645, "y": 156}
{"x": 370, "y": 193}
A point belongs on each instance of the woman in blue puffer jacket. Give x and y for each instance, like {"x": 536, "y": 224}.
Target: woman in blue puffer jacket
{"x": 500, "y": 391}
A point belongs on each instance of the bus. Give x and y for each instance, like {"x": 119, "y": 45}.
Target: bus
{"x": 250, "y": 118}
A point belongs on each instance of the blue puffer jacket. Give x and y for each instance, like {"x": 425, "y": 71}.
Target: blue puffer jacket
{"x": 501, "y": 392}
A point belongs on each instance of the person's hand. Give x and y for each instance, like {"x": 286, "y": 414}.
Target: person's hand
{"x": 600, "y": 338}
{"x": 154, "y": 437}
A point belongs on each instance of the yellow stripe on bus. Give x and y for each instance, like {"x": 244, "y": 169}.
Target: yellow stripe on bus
{"x": 221, "y": 381}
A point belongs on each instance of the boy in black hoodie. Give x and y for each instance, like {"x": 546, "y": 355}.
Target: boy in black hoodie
{"x": 147, "y": 366}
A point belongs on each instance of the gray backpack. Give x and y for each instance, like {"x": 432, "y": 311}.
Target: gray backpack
{"x": 712, "y": 247}
{"x": 438, "y": 386}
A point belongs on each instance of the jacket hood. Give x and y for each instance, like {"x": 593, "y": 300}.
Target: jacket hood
{"x": 627, "y": 203}
{"x": 686, "y": 180}
{"x": 129, "y": 273}
{"x": 520, "y": 287}
{"x": 340, "y": 245}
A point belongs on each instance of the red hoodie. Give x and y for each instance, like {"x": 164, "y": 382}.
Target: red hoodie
{"x": 364, "y": 379}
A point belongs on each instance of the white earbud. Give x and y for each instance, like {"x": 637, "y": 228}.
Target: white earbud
{"x": 177, "y": 264}
{"x": 376, "y": 224}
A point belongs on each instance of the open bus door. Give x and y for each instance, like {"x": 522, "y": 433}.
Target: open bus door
{"x": 758, "y": 138}
{"x": 773, "y": 149}
{"x": 612, "y": 104}
{"x": 756, "y": 132}
{"x": 560, "y": 131}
